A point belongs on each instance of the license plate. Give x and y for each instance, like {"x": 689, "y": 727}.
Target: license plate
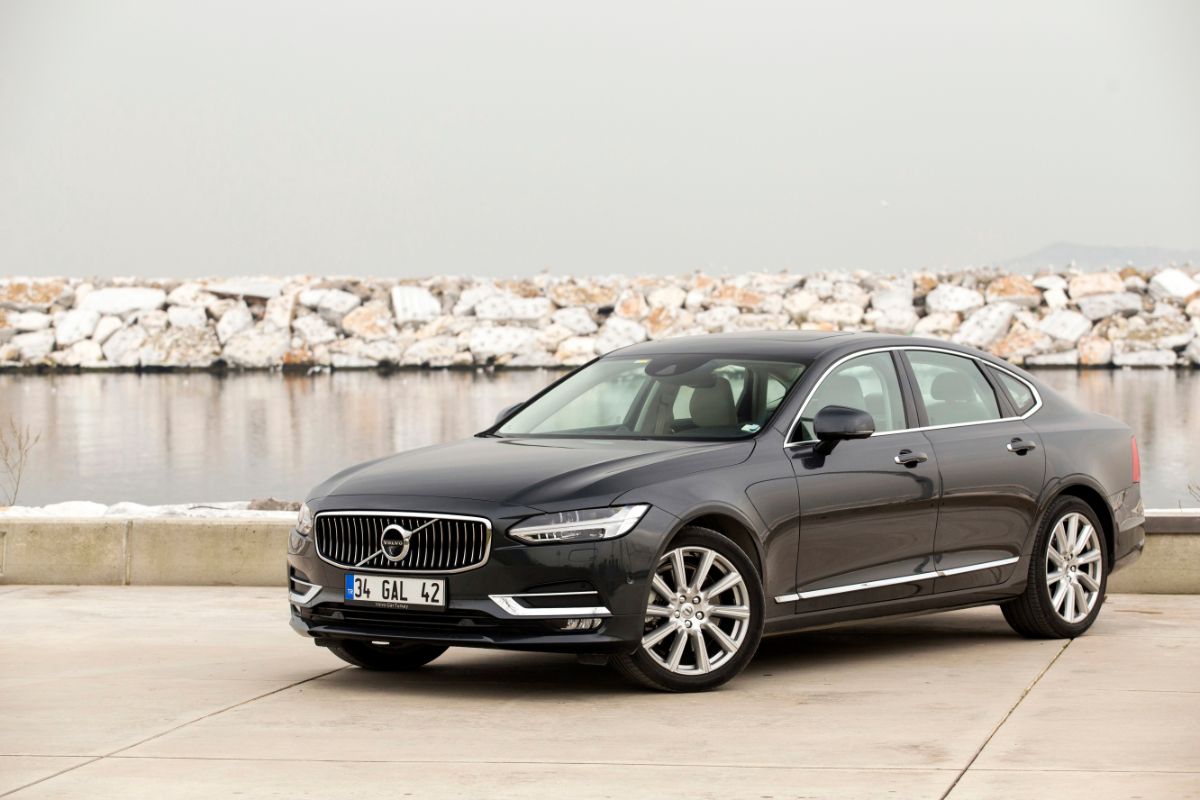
{"x": 399, "y": 592}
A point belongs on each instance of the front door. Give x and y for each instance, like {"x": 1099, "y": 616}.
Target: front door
{"x": 868, "y": 509}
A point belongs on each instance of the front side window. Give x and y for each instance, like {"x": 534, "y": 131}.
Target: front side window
{"x": 867, "y": 383}
{"x": 682, "y": 396}
{"x": 953, "y": 388}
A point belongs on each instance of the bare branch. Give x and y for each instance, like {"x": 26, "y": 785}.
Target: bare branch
{"x": 15, "y": 445}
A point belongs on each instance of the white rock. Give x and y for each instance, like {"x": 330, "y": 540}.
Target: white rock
{"x": 1099, "y": 306}
{"x": 1051, "y": 282}
{"x": 668, "y": 296}
{"x": 257, "y": 288}
{"x": 257, "y": 347}
{"x": 986, "y": 325}
{"x": 836, "y": 313}
{"x": 618, "y": 332}
{"x": 576, "y": 350}
{"x": 469, "y": 298}
{"x": 897, "y": 321}
{"x": 893, "y": 295}
{"x": 551, "y": 336}
{"x": 414, "y": 304}
{"x": 280, "y": 310}
{"x": 1095, "y": 283}
{"x": 1055, "y": 299}
{"x": 1136, "y": 283}
{"x": 1066, "y": 358}
{"x": 121, "y": 349}
{"x": 86, "y": 353}
{"x": 717, "y": 318}
{"x": 798, "y": 303}
{"x": 371, "y": 322}
{"x": 311, "y": 298}
{"x": 336, "y": 304}
{"x": 34, "y": 346}
{"x": 695, "y": 300}
{"x": 1066, "y": 325}
{"x": 105, "y": 328}
{"x": 180, "y": 347}
{"x": 1173, "y": 284}
{"x": 191, "y": 295}
{"x": 436, "y": 351}
{"x": 847, "y": 292}
{"x": 759, "y": 322}
{"x": 937, "y": 323}
{"x": 187, "y": 316}
{"x": 153, "y": 321}
{"x": 75, "y": 325}
{"x": 490, "y": 342}
{"x": 314, "y": 330}
{"x": 122, "y": 300}
{"x": 1145, "y": 358}
{"x": 821, "y": 287}
{"x": 29, "y": 320}
{"x": 947, "y": 297}
{"x": 534, "y": 358}
{"x": 576, "y": 319}
{"x": 234, "y": 321}
{"x": 1193, "y": 352}
{"x": 504, "y": 307}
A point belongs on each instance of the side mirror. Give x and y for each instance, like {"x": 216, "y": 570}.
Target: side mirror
{"x": 504, "y": 413}
{"x": 835, "y": 423}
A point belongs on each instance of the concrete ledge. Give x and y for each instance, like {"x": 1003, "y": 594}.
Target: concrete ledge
{"x": 251, "y": 552}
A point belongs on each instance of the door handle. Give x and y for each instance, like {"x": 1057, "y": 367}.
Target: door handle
{"x": 908, "y": 458}
{"x": 1020, "y": 447}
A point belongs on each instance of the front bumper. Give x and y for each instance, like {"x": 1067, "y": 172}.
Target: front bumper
{"x": 521, "y": 598}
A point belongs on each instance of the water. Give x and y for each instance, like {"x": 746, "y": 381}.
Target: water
{"x": 187, "y": 437}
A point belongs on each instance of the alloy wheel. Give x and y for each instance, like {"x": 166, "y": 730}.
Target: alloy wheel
{"x": 1074, "y": 565}
{"x": 698, "y": 613}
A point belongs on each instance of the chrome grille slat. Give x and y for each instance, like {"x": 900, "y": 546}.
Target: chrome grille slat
{"x": 448, "y": 543}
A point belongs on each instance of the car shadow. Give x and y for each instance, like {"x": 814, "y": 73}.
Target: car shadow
{"x": 479, "y": 673}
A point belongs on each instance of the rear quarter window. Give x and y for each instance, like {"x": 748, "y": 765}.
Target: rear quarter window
{"x": 1018, "y": 392}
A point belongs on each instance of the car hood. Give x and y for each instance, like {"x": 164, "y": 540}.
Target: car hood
{"x": 545, "y": 474}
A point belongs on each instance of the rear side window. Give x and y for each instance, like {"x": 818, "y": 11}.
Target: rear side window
{"x": 1018, "y": 392}
{"x": 867, "y": 383}
{"x": 953, "y": 389}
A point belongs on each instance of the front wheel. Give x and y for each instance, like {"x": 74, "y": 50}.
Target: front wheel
{"x": 704, "y": 616}
{"x": 1067, "y": 575}
{"x": 386, "y": 657}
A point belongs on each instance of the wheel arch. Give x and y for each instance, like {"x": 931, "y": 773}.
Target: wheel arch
{"x": 1096, "y": 501}
{"x": 731, "y": 527}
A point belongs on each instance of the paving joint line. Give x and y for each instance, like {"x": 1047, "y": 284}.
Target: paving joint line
{"x": 1005, "y": 718}
{"x": 180, "y": 726}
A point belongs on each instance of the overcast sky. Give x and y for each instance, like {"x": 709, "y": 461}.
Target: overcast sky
{"x": 390, "y": 138}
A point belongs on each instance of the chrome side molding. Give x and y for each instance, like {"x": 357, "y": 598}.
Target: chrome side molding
{"x": 920, "y": 576}
{"x": 508, "y": 603}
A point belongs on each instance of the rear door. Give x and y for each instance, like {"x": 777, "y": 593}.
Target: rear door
{"x": 868, "y": 510}
{"x": 992, "y": 465}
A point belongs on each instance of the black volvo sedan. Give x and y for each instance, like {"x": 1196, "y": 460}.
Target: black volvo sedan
{"x": 665, "y": 506}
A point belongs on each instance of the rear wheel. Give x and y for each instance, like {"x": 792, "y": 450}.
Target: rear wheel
{"x": 704, "y": 616}
{"x": 1067, "y": 575}
{"x": 386, "y": 657}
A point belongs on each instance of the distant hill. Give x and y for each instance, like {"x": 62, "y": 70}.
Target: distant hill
{"x": 1090, "y": 257}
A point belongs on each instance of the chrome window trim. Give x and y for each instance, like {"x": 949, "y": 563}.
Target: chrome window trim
{"x": 508, "y": 603}
{"x": 796, "y": 420}
{"x": 920, "y": 576}
{"x": 487, "y": 546}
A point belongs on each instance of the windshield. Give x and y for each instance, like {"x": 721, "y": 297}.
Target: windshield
{"x": 677, "y": 396}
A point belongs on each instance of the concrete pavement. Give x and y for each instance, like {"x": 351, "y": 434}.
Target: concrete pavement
{"x": 200, "y": 692}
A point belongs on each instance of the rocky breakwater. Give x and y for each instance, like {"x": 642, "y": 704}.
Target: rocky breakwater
{"x": 1121, "y": 318}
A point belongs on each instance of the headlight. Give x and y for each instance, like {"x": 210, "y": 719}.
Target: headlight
{"x": 579, "y": 526}
{"x": 304, "y": 523}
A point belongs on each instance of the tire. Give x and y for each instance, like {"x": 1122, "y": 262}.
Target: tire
{"x": 697, "y": 637}
{"x": 1040, "y": 612}
{"x": 386, "y": 658}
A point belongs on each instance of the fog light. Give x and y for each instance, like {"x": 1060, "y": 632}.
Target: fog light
{"x": 579, "y": 624}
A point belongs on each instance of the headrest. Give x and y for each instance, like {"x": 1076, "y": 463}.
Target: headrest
{"x": 842, "y": 390}
{"x": 952, "y": 387}
{"x": 712, "y": 406}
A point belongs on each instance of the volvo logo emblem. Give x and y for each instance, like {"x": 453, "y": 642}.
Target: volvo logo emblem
{"x": 395, "y": 542}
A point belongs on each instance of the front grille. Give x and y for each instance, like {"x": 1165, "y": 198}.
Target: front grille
{"x": 439, "y": 543}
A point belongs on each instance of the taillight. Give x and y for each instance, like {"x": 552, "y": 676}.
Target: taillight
{"x": 1137, "y": 461}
